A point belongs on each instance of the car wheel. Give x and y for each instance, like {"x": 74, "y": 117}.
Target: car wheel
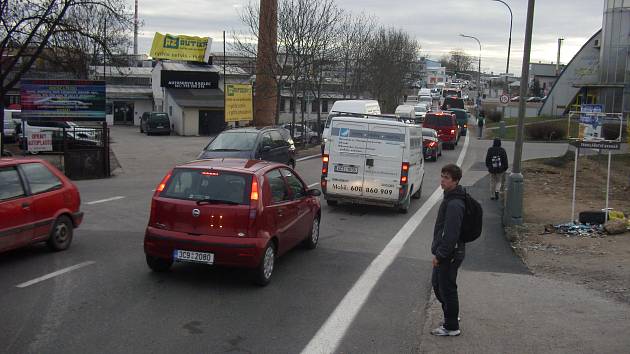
{"x": 417, "y": 194}
{"x": 435, "y": 156}
{"x": 159, "y": 265}
{"x": 61, "y": 234}
{"x": 267, "y": 263}
{"x": 313, "y": 238}
{"x": 331, "y": 202}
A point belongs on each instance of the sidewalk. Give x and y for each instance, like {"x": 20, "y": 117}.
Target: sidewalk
{"x": 505, "y": 309}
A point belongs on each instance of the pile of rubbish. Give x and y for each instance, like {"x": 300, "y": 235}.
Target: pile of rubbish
{"x": 617, "y": 224}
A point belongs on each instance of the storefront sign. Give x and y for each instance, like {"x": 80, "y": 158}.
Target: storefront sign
{"x": 39, "y": 142}
{"x": 185, "y": 48}
{"x": 189, "y": 79}
{"x": 238, "y": 103}
{"x": 63, "y": 100}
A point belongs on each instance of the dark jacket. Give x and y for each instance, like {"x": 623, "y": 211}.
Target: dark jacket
{"x": 446, "y": 243}
{"x": 496, "y": 150}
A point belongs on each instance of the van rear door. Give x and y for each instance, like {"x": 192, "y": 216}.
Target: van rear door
{"x": 347, "y": 158}
{"x": 383, "y": 161}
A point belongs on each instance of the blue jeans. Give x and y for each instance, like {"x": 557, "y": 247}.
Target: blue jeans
{"x": 444, "y": 281}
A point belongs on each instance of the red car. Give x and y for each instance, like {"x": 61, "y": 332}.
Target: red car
{"x": 445, "y": 123}
{"x": 37, "y": 203}
{"x": 231, "y": 212}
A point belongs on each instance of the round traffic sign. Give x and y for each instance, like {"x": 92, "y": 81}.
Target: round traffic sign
{"x": 504, "y": 99}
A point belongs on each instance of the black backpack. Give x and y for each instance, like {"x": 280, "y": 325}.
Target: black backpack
{"x": 473, "y": 219}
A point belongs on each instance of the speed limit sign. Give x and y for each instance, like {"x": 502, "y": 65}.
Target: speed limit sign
{"x": 504, "y": 99}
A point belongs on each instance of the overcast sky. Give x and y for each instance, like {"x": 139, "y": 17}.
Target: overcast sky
{"x": 436, "y": 25}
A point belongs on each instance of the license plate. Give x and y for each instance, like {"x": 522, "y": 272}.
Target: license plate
{"x": 192, "y": 256}
{"x": 346, "y": 169}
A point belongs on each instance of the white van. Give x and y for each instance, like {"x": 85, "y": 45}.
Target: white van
{"x": 374, "y": 161}
{"x": 358, "y": 107}
{"x": 424, "y": 92}
{"x": 406, "y": 112}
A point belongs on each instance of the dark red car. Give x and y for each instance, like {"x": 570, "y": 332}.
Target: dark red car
{"x": 230, "y": 212}
{"x": 445, "y": 124}
{"x": 37, "y": 203}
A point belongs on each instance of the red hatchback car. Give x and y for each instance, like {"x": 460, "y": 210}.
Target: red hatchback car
{"x": 231, "y": 212}
{"x": 445, "y": 123}
{"x": 37, "y": 203}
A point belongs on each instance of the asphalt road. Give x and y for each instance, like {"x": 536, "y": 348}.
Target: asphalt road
{"x": 111, "y": 302}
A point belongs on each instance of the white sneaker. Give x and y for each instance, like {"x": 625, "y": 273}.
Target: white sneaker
{"x": 443, "y": 332}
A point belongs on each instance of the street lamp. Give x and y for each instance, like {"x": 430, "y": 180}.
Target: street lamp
{"x": 479, "y": 72}
{"x": 507, "y": 65}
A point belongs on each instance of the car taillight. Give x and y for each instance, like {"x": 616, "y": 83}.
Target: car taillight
{"x": 325, "y": 160}
{"x": 432, "y": 144}
{"x": 404, "y": 173}
{"x": 254, "y": 194}
{"x": 452, "y": 131}
{"x": 163, "y": 183}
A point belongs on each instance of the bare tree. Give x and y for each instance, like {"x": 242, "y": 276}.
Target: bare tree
{"x": 457, "y": 61}
{"x": 391, "y": 63}
{"x": 356, "y": 31}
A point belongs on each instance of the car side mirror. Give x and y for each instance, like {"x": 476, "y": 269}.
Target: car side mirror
{"x": 313, "y": 192}
{"x": 266, "y": 148}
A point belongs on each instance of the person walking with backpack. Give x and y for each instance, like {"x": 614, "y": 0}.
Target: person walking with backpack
{"x": 480, "y": 122}
{"x": 448, "y": 249}
{"x": 497, "y": 164}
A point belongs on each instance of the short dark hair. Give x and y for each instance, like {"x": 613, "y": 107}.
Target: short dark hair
{"x": 453, "y": 170}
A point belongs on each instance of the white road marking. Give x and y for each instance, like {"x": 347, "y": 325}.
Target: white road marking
{"x": 308, "y": 157}
{"x": 105, "y": 200}
{"x": 54, "y": 274}
{"x": 329, "y": 336}
{"x": 313, "y": 185}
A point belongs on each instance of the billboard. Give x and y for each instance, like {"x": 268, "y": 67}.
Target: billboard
{"x": 238, "y": 103}
{"x": 591, "y": 120}
{"x": 52, "y": 100}
{"x": 180, "y": 47}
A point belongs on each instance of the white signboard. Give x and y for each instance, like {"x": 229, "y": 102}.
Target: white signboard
{"x": 39, "y": 142}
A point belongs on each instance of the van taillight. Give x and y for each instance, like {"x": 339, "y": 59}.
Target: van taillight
{"x": 254, "y": 195}
{"x": 325, "y": 166}
{"x": 404, "y": 173}
{"x": 163, "y": 183}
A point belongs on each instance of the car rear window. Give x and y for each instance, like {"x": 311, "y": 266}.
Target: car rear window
{"x": 233, "y": 141}
{"x": 159, "y": 117}
{"x": 438, "y": 121}
{"x": 211, "y": 185}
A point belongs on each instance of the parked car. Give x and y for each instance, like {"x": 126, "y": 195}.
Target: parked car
{"x": 302, "y": 133}
{"x": 155, "y": 123}
{"x": 535, "y": 99}
{"x": 268, "y": 143}
{"x": 37, "y": 204}
{"x": 230, "y": 212}
{"x": 515, "y": 99}
{"x": 445, "y": 124}
{"x": 431, "y": 147}
{"x": 10, "y": 126}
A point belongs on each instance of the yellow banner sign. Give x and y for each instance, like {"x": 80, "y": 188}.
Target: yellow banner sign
{"x": 185, "y": 48}
{"x": 238, "y": 102}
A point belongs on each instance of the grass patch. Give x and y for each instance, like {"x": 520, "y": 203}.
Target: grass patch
{"x": 514, "y": 121}
{"x": 510, "y": 133}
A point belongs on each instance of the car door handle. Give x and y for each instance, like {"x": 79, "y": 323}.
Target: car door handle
{"x": 26, "y": 205}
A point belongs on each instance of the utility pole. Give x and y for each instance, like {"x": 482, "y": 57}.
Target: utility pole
{"x": 558, "y": 59}
{"x": 513, "y": 214}
{"x": 135, "y": 34}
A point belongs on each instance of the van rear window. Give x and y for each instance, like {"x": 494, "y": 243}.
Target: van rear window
{"x": 438, "y": 121}
{"x": 211, "y": 185}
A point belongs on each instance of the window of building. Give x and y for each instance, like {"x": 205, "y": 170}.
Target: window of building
{"x": 325, "y": 106}
{"x": 291, "y": 105}
{"x": 282, "y": 104}
{"x": 314, "y": 105}
{"x": 302, "y": 105}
